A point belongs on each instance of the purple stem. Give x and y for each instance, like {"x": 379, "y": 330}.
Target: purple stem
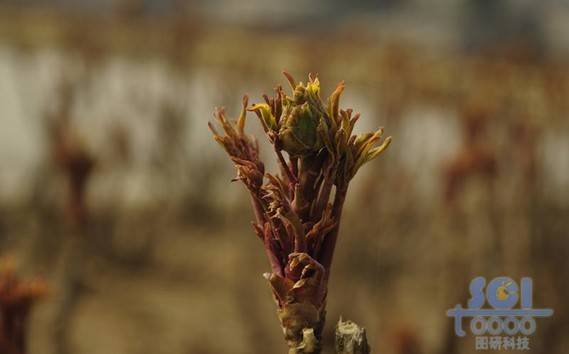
{"x": 329, "y": 244}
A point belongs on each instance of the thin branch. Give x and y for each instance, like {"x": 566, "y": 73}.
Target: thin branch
{"x": 284, "y": 166}
{"x": 329, "y": 244}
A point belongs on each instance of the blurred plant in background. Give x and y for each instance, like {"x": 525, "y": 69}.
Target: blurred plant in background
{"x": 17, "y": 297}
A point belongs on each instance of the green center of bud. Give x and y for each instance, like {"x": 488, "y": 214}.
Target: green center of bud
{"x": 298, "y": 133}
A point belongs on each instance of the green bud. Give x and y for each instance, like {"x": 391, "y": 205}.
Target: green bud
{"x": 298, "y": 133}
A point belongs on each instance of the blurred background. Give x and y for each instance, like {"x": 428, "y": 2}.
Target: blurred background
{"x": 113, "y": 192}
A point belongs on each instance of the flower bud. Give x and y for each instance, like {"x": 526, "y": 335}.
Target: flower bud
{"x": 298, "y": 133}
